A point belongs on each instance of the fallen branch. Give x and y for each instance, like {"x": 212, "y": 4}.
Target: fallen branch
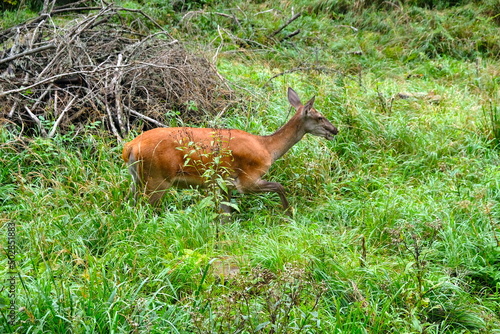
{"x": 12, "y": 110}
{"x": 296, "y": 16}
{"x": 56, "y": 124}
{"x": 116, "y": 89}
{"x": 191, "y": 14}
{"x": 146, "y": 16}
{"x": 37, "y": 121}
{"x": 296, "y": 32}
{"x": 146, "y": 118}
{"x": 47, "y": 80}
{"x": 106, "y": 71}
{"x": 25, "y": 53}
{"x": 112, "y": 123}
{"x": 60, "y": 10}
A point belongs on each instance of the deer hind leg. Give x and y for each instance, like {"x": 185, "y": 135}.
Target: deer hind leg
{"x": 155, "y": 188}
{"x": 133, "y": 170}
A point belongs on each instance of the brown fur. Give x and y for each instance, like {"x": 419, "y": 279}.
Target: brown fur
{"x": 165, "y": 157}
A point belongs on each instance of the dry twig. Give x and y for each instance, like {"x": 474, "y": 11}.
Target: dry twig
{"x": 293, "y": 18}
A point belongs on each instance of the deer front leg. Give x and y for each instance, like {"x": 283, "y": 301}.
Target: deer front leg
{"x": 276, "y": 187}
{"x": 261, "y": 186}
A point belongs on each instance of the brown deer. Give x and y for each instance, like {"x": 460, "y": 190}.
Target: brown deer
{"x": 165, "y": 157}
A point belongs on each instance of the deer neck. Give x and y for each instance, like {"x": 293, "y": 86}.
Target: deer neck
{"x": 288, "y": 135}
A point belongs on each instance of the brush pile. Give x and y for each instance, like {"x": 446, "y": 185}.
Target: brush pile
{"x": 102, "y": 67}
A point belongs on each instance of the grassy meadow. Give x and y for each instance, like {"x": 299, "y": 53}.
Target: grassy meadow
{"x": 396, "y": 222}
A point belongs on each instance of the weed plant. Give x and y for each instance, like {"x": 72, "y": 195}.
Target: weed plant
{"x": 396, "y": 222}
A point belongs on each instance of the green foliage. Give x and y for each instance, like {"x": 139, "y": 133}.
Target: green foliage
{"x": 492, "y": 115}
{"x": 186, "y": 5}
{"x": 9, "y": 18}
{"x": 260, "y": 301}
{"x": 417, "y": 28}
{"x": 33, "y": 5}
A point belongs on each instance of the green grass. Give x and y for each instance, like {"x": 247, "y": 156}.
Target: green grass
{"x": 396, "y": 222}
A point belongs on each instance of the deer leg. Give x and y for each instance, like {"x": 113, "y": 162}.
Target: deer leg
{"x": 132, "y": 167}
{"x": 155, "y": 189}
{"x": 266, "y": 186}
{"x": 277, "y": 188}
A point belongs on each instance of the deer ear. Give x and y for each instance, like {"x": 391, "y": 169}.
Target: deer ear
{"x": 293, "y": 98}
{"x": 308, "y": 105}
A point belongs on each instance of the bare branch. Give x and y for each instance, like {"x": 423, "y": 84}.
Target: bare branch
{"x": 112, "y": 123}
{"x": 293, "y": 18}
{"x": 346, "y": 26}
{"x": 146, "y": 16}
{"x": 60, "y": 10}
{"x": 108, "y": 72}
{"x": 56, "y": 124}
{"x": 116, "y": 88}
{"x": 146, "y": 118}
{"x": 37, "y": 121}
{"x": 12, "y": 110}
{"x": 25, "y": 53}
{"x": 296, "y": 32}
{"x": 47, "y": 80}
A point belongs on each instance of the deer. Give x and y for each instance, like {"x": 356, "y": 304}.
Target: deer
{"x": 180, "y": 156}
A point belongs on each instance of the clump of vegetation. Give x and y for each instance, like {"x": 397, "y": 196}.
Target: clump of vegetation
{"x": 103, "y": 68}
{"x": 260, "y": 300}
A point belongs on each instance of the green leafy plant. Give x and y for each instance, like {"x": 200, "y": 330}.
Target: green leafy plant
{"x": 260, "y": 301}
{"x": 492, "y": 115}
{"x": 209, "y": 160}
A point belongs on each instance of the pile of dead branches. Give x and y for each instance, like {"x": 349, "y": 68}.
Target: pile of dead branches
{"x": 96, "y": 67}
